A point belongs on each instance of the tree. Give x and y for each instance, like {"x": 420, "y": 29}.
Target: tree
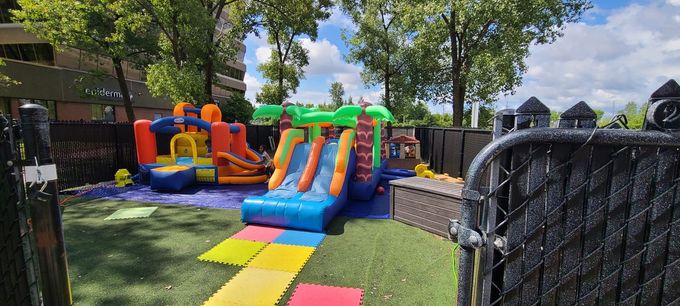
{"x": 285, "y": 22}
{"x": 116, "y": 29}
{"x": 6, "y": 81}
{"x": 237, "y": 109}
{"x": 486, "y": 42}
{"x": 349, "y": 101}
{"x": 337, "y": 91}
{"x": 381, "y": 43}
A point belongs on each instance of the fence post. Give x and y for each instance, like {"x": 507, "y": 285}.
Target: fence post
{"x": 462, "y": 152}
{"x": 44, "y": 206}
{"x": 441, "y": 162}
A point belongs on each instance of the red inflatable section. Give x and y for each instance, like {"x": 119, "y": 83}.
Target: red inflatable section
{"x": 145, "y": 141}
{"x": 221, "y": 141}
{"x": 238, "y": 140}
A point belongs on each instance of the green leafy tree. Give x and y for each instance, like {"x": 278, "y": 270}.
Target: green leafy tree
{"x": 382, "y": 44}
{"x": 6, "y": 81}
{"x": 483, "y": 44}
{"x": 116, "y": 29}
{"x": 634, "y": 114}
{"x": 285, "y": 23}
{"x": 237, "y": 109}
{"x": 337, "y": 91}
{"x": 349, "y": 101}
{"x": 184, "y": 27}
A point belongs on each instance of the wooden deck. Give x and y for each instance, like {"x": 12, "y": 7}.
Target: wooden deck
{"x": 425, "y": 203}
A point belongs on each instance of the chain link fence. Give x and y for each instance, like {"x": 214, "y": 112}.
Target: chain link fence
{"x": 18, "y": 279}
{"x": 574, "y": 214}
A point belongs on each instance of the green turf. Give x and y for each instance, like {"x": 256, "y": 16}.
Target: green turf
{"x": 153, "y": 261}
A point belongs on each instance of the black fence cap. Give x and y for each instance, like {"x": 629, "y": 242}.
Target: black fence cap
{"x": 533, "y": 106}
{"x": 579, "y": 111}
{"x": 670, "y": 89}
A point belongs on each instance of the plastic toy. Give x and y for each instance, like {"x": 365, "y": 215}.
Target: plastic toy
{"x": 123, "y": 178}
{"x": 315, "y": 176}
{"x": 422, "y": 171}
{"x": 202, "y": 150}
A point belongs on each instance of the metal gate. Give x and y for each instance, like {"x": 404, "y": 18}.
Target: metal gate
{"x": 18, "y": 280}
{"x": 574, "y": 214}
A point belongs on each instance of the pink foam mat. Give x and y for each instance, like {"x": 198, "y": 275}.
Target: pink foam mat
{"x": 310, "y": 294}
{"x": 258, "y": 233}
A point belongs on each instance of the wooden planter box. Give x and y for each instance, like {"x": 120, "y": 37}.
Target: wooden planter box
{"x": 425, "y": 203}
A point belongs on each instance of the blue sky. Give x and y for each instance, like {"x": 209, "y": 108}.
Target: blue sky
{"x": 621, "y": 51}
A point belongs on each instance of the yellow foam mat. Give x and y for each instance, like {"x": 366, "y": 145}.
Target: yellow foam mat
{"x": 282, "y": 257}
{"x": 233, "y": 252}
{"x": 253, "y": 286}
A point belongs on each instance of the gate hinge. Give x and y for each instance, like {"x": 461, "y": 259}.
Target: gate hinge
{"x": 464, "y": 236}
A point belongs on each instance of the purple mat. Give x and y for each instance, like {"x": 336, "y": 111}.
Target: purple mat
{"x": 231, "y": 197}
{"x": 215, "y": 196}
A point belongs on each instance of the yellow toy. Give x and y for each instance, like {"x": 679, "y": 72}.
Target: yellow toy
{"x": 123, "y": 178}
{"x": 422, "y": 171}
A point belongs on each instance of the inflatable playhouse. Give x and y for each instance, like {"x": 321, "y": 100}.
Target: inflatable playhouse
{"x": 202, "y": 150}
{"x": 316, "y": 174}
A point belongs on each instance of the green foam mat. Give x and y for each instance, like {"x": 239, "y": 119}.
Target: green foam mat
{"x": 131, "y": 213}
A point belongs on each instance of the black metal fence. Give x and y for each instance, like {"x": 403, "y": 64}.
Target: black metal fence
{"x": 18, "y": 280}
{"x": 451, "y": 150}
{"x": 89, "y": 153}
{"x": 574, "y": 214}
{"x": 92, "y": 152}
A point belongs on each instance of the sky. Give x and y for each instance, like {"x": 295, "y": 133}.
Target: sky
{"x": 621, "y": 51}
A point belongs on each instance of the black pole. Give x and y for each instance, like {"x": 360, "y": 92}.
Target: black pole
{"x": 43, "y": 202}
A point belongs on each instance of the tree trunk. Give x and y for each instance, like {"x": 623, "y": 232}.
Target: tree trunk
{"x": 280, "y": 88}
{"x": 388, "y": 100}
{"x": 208, "y": 69}
{"x": 124, "y": 90}
{"x": 458, "y": 103}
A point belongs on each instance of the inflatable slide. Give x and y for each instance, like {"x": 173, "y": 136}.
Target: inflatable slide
{"x": 309, "y": 185}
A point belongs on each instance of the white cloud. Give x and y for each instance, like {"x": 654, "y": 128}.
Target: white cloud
{"x": 625, "y": 59}
{"x": 341, "y": 20}
{"x": 253, "y": 86}
{"x": 324, "y": 58}
{"x": 262, "y": 54}
{"x": 673, "y": 2}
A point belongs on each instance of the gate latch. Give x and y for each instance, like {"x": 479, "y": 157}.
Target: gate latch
{"x": 464, "y": 236}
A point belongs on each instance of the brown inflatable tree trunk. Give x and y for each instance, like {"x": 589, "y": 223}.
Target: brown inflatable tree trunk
{"x": 285, "y": 121}
{"x": 364, "y": 148}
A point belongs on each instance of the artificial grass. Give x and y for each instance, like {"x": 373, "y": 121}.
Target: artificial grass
{"x": 153, "y": 261}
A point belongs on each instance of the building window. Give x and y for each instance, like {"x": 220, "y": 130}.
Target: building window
{"x": 232, "y": 72}
{"x": 157, "y": 116}
{"x": 103, "y": 112}
{"x": 49, "y": 104}
{"x": 36, "y": 53}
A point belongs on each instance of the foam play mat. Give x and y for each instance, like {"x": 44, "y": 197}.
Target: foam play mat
{"x": 258, "y": 233}
{"x": 253, "y": 286}
{"x": 311, "y": 295}
{"x": 302, "y": 238}
{"x": 281, "y": 257}
{"x": 233, "y": 252}
{"x": 130, "y": 213}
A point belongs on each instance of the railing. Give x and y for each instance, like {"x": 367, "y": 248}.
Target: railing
{"x": 574, "y": 214}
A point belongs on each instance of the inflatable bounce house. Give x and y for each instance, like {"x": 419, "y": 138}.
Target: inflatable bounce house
{"x": 315, "y": 175}
{"x": 203, "y": 150}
